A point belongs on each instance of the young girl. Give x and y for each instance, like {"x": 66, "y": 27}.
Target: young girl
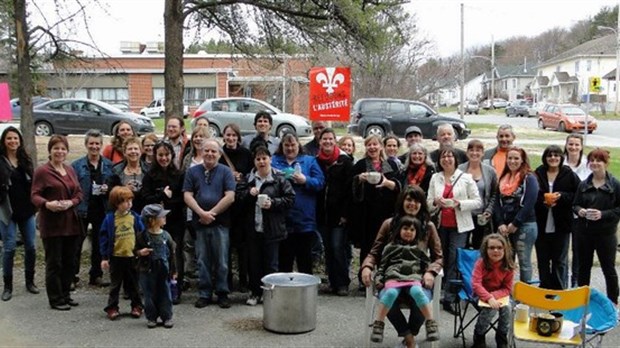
{"x": 157, "y": 265}
{"x": 402, "y": 265}
{"x": 492, "y": 281}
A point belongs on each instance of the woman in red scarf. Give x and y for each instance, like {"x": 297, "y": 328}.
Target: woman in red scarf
{"x": 418, "y": 168}
{"x": 332, "y": 203}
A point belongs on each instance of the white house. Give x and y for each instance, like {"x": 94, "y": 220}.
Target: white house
{"x": 510, "y": 82}
{"x": 452, "y": 96}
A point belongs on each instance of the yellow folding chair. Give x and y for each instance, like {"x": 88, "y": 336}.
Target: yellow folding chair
{"x": 542, "y": 300}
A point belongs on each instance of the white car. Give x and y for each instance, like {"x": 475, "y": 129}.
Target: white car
{"x": 157, "y": 109}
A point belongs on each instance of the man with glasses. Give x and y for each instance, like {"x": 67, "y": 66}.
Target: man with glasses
{"x": 312, "y": 148}
{"x": 209, "y": 190}
{"x": 496, "y": 157}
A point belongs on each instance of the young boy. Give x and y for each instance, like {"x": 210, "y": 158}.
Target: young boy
{"x": 116, "y": 243}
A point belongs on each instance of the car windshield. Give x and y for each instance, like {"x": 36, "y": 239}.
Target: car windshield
{"x": 573, "y": 111}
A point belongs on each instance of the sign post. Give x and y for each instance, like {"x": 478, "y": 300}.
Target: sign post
{"x": 330, "y": 94}
{"x": 5, "y": 103}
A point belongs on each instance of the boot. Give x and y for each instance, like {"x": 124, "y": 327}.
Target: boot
{"x": 8, "y": 288}
{"x": 501, "y": 340}
{"x": 30, "y": 283}
{"x": 479, "y": 341}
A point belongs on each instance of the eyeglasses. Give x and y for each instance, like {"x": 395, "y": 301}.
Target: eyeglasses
{"x": 208, "y": 177}
{"x": 500, "y": 248}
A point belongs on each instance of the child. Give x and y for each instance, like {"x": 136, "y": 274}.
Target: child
{"x": 116, "y": 243}
{"x": 157, "y": 264}
{"x": 491, "y": 281}
{"x": 403, "y": 264}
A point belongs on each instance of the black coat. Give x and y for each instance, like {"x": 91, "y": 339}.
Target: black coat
{"x": 152, "y": 192}
{"x": 566, "y": 184}
{"x": 333, "y": 202}
{"x": 605, "y": 198}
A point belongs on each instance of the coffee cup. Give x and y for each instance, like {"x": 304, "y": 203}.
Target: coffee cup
{"x": 448, "y": 203}
{"x": 482, "y": 219}
{"x": 549, "y": 198}
{"x": 590, "y": 213}
{"x": 522, "y": 313}
{"x": 373, "y": 177}
{"x": 96, "y": 189}
{"x": 261, "y": 199}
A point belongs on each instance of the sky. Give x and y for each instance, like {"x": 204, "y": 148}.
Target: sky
{"x": 439, "y": 20}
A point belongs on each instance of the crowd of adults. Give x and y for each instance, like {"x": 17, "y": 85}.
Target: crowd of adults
{"x": 275, "y": 204}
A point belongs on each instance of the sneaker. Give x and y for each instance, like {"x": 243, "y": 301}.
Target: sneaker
{"x": 136, "y": 312}
{"x": 98, "y": 281}
{"x": 377, "y": 331}
{"x": 252, "y": 300}
{"x": 342, "y": 291}
{"x": 223, "y": 301}
{"x": 151, "y": 324}
{"x": 73, "y": 303}
{"x": 176, "y": 300}
{"x": 113, "y": 313}
{"x": 202, "y": 302}
{"x": 432, "y": 330}
{"x": 168, "y": 324}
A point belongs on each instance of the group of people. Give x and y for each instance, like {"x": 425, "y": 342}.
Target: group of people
{"x": 184, "y": 205}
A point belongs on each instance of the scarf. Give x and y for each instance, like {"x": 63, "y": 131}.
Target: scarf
{"x": 508, "y": 184}
{"x": 328, "y": 159}
{"x": 416, "y": 179}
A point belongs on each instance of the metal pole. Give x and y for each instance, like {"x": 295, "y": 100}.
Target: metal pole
{"x": 617, "y": 63}
{"x": 462, "y": 108}
{"x": 492, "y": 71}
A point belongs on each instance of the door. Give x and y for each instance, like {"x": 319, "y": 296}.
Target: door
{"x": 60, "y": 115}
{"x": 399, "y": 117}
{"x": 422, "y": 117}
{"x": 95, "y": 116}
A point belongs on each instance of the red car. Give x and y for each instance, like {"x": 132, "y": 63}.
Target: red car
{"x": 565, "y": 118}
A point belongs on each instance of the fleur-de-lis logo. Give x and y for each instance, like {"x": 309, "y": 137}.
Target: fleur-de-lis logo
{"x": 330, "y": 81}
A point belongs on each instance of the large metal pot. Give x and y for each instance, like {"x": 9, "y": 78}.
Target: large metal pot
{"x": 289, "y": 302}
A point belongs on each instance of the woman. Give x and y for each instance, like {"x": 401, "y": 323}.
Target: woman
{"x": 194, "y": 156}
{"x": 239, "y": 160}
{"x": 418, "y": 168}
{"x": 557, "y": 186}
{"x": 148, "y": 142}
{"x": 306, "y": 177}
{"x": 332, "y": 210}
{"x": 576, "y": 160}
{"x": 597, "y": 204}
{"x": 130, "y": 171}
{"x": 265, "y": 220}
{"x": 114, "y": 151}
{"x": 514, "y": 213}
{"x": 200, "y": 121}
{"x": 346, "y": 143}
{"x": 16, "y": 169}
{"x": 372, "y": 202}
{"x": 391, "y": 144}
{"x": 411, "y": 202}
{"x": 56, "y": 192}
{"x": 93, "y": 172}
{"x": 163, "y": 184}
{"x": 486, "y": 180}
{"x": 454, "y": 195}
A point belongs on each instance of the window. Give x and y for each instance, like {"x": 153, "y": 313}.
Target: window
{"x": 557, "y": 68}
{"x": 576, "y": 66}
{"x": 373, "y": 106}
{"x": 192, "y": 96}
{"x": 514, "y": 83}
{"x": 247, "y": 92}
{"x": 397, "y": 107}
{"x": 588, "y": 65}
{"x": 417, "y": 111}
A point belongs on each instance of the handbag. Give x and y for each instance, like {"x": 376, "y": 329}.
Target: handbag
{"x": 435, "y": 216}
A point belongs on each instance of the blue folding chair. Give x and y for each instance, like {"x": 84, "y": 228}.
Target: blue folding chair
{"x": 602, "y": 318}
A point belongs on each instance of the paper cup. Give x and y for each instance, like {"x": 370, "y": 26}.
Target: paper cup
{"x": 373, "y": 178}
{"x": 522, "y": 313}
{"x": 482, "y": 219}
{"x": 262, "y": 198}
{"x": 448, "y": 203}
{"x": 549, "y": 198}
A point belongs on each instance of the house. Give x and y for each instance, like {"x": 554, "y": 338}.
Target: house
{"x": 565, "y": 77}
{"x": 452, "y": 96}
{"x": 510, "y": 82}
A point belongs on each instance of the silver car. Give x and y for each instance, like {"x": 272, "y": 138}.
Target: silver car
{"x": 222, "y": 111}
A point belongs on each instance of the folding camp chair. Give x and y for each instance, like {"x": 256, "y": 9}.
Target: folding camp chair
{"x": 602, "y": 318}
{"x": 371, "y": 303}
{"x": 542, "y": 300}
{"x": 466, "y": 299}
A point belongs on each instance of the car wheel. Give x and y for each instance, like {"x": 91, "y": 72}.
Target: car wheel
{"x": 541, "y": 125}
{"x": 284, "y": 129}
{"x": 43, "y": 129}
{"x": 143, "y": 113}
{"x": 374, "y": 130}
{"x": 590, "y": 131}
{"x": 213, "y": 131}
{"x": 476, "y": 112}
{"x": 562, "y": 127}
{"x": 162, "y": 114}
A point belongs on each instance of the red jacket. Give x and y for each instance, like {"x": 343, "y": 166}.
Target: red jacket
{"x": 496, "y": 282}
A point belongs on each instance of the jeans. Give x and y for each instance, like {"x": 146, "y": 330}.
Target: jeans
{"x": 605, "y": 247}
{"x": 212, "y": 247}
{"x": 522, "y": 243}
{"x": 451, "y": 240}
{"x": 27, "y": 229}
{"x": 155, "y": 286}
{"x": 485, "y": 319}
{"x": 337, "y": 262}
{"x": 416, "y": 318}
{"x": 552, "y": 255}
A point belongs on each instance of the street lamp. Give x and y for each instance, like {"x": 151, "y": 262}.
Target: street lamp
{"x": 617, "y": 32}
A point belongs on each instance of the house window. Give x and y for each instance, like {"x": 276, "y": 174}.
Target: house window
{"x": 588, "y": 65}
{"x": 576, "y": 66}
{"x": 557, "y": 68}
{"x": 247, "y": 92}
{"x": 192, "y": 96}
{"x": 514, "y": 83}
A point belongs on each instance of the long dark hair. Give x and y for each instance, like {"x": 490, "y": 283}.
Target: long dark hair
{"x": 23, "y": 159}
{"x": 416, "y": 193}
{"x": 157, "y": 170}
{"x": 507, "y": 262}
{"x": 407, "y": 221}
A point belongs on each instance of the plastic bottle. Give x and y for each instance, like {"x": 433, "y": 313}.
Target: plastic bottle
{"x": 297, "y": 168}
{"x": 174, "y": 290}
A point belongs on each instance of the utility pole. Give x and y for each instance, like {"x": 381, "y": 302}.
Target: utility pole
{"x": 492, "y": 106}
{"x": 462, "y": 108}
{"x": 283, "y": 83}
{"x": 617, "y": 63}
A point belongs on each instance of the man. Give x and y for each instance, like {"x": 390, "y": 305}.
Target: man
{"x": 413, "y": 135}
{"x": 209, "y": 190}
{"x": 312, "y": 148}
{"x": 445, "y": 137}
{"x": 262, "y": 123}
{"x": 496, "y": 157}
{"x": 175, "y": 134}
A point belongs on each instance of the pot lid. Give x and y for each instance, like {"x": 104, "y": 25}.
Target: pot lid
{"x": 290, "y": 279}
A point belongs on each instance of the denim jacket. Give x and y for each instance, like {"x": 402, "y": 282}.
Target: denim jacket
{"x": 80, "y": 166}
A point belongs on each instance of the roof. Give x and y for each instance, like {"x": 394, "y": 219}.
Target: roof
{"x": 514, "y": 71}
{"x": 605, "y": 45}
{"x": 542, "y": 80}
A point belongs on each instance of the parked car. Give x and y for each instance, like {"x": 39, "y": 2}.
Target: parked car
{"x": 121, "y": 106}
{"x": 383, "y": 116}
{"x": 157, "y": 109}
{"x": 16, "y": 108}
{"x": 76, "y": 116}
{"x": 498, "y": 103}
{"x": 565, "y": 118}
{"x": 519, "y": 107}
{"x": 537, "y": 108}
{"x": 241, "y": 111}
{"x": 472, "y": 107}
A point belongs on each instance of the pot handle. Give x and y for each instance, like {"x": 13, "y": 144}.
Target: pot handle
{"x": 269, "y": 288}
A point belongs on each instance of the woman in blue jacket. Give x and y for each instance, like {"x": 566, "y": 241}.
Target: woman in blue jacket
{"x": 307, "y": 179}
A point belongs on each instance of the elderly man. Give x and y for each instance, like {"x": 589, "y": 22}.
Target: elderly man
{"x": 262, "y": 123}
{"x": 413, "y": 135}
{"x": 209, "y": 190}
{"x": 445, "y": 137}
{"x": 496, "y": 157}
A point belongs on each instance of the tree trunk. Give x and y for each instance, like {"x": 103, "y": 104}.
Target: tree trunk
{"x": 173, "y": 71}
{"x": 24, "y": 86}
